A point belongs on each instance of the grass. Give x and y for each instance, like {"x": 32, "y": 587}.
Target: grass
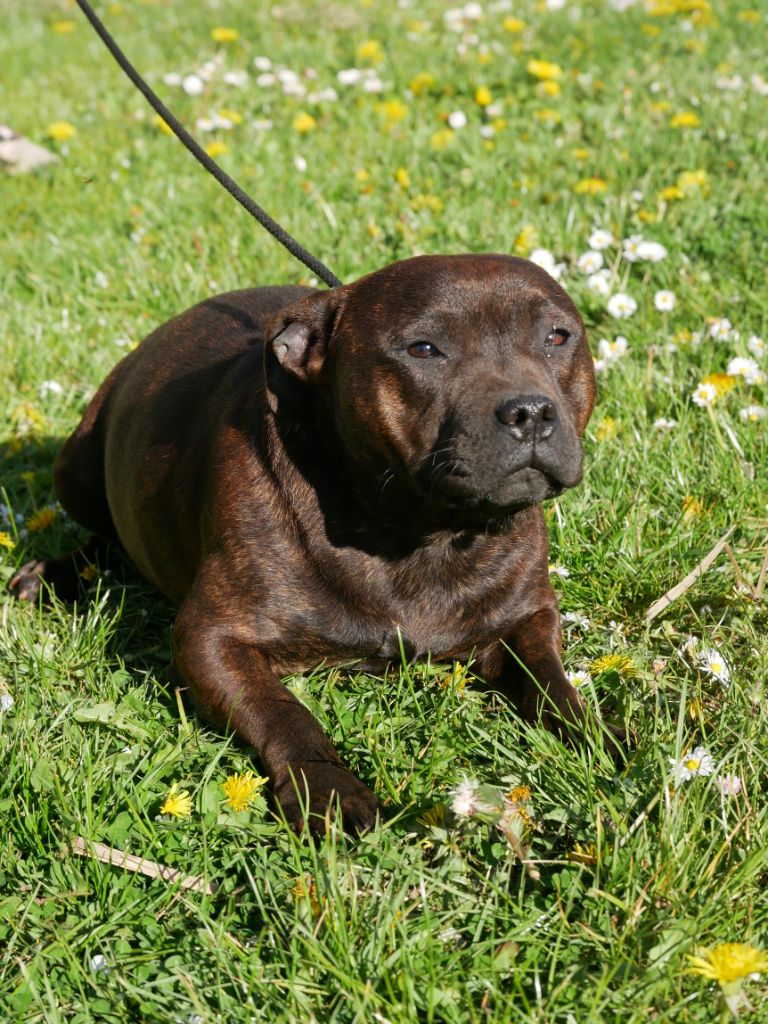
{"x": 416, "y": 922}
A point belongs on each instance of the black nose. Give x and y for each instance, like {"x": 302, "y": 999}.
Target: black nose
{"x": 528, "y": 416}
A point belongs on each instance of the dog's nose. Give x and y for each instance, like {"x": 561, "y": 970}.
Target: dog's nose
{"x": 528, "y": 416}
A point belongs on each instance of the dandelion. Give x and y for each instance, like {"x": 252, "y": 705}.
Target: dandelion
{"x": 457, "y": 120}
{"x": 704, "y": 395}
{"x": 61, "y": 131}
{"x": 664, "y": 301}
{"x": 671, "y": 193}
{"x": 393, "y": 111}
{"x": 465, "y": 801}
{"x": 729, "y": 962}
{"x": 544, "y": 70}
{"x": 729, "y": 785}
{"x": 590, "y": 262}
{"x": 583, "y": 853}
{"x": 434, "y": 817}
{"x": 513, "y": 25}
{"x": 693, "y": 181}
{"x": 63, "y": 28}
{"x": 6, "y": 540}
{"x": 441, "y": 139}
{"x": 526, "y": 240}
{"x": 242, "y": 790}
{"x": 752, "y": 413}
{"x": 483, "y": 97}
{"x": 685, "y": 119}
{"x": 421, "y": 83}
{"x": 621, "y": 306}
{"x": 304, "y": 123}
{"x": 41, "y": 520}
{"x": 224, "y": 35}
{"x": 697, "y": 762}
{"x": 713, "y": 663}
{"x": 216, "y": 148}
{"x": 620, "y": 664}
{"x": 605, "y": 429}
{"x": 722, "y": 382}
{"x": 370, "y": 52}
{"x": 89, "y": 573}
{"x": 178, "y": 802}
{"x": 693, "y": 508}
{"x": 590, "y": 187}
{"x": 403, "y": 178}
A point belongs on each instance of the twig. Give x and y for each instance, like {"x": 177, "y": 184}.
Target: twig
{"x": 761, "y": 577}
{"x": 739, "y": 575}
{"x": 677, "y": 591}
{"x": 150, "y": 868}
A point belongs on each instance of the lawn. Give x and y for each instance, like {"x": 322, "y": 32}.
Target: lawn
{"x": 623, "y": 146}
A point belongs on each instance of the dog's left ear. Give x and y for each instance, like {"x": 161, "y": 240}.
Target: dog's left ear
{"x": 297, "y": 343}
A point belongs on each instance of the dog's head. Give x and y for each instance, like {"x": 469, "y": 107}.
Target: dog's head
{"x": 464, "y": 380}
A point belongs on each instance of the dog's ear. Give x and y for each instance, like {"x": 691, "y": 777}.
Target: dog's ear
{"x": 297, "y": 343}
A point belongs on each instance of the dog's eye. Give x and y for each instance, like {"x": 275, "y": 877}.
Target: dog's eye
{"x": 558, "y": 336}
{"x": 423, "y": 350}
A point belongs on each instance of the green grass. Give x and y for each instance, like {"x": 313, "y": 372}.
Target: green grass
{"x": 414, "y": 922}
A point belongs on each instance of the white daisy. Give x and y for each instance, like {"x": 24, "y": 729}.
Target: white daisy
{"x": 457, "y": 119}
{"x": 600, "y": 239}
{"x": 544, "y": 258}
{"x": 721, "y": 329}
{"x": 590, "y": 262}
{"x": 704, "y": 394}
{"x": 621, "y": 305}
{"x": 654, "y": 252}
{"x": 752, "y": 413}
{"x": 265, "y": 80}
{"x": 50, "y": 387}
{"x": 696, "y": 762}
{"x": 6, "y": 702}
{"x": 631, "y": 248}
{"x": 236, "y": 78}
{"x": 99, "y": 963}
{"x": 741, "y": 366}
{"x": 373, "y": 84}
{"x": 262, "y": 63}
{"x": 612, "y": 351}
{"x": 600, "y": 283}
{"x": 756, "y": 346}
{"x": 172, "y": 78}
{"x": 579, "y": 678}
{"x": 664, "y": 300}
{"x": 662, "y": 423}
{"x": 300, "y": 164}
{"x": 713, "y": 663}
{"x": 192, "y": 85}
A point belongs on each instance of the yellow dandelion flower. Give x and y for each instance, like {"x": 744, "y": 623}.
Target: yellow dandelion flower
{"x": 749, "y": 17}
{"x": 590, "y": 187}
{"x": 499, "y": 124}
{"x": 304, "y": 123}
{"x": 7, "y": 541}
{"x": 242, "y": 790}
{"x": 434, "y": 817}
{"x": 583, "y": 853}
{"x": 581, "y": 154}
{"x": 671, "y": 193}
{"x": 222, "y": 34}
{"x": 177, "y": 803}
{"x": 646, "y": 216}
{"x": 63, "y": 28}
{"x": 722, "y": 382}
{"x": 650, "y": 30}
{"x": 520, "y": 795}
{"x": 695, "y": 45}
{"x": 548, "y": 116}
{"x": 61, "y": 131}
{"x": 661, "y": 107}
{"x": 393, "y": 110}
{"x": 216, "y": 148}
{"x": 513, "y": 25}
{"x": 373, "y": 229}
{"x": 685, "y": 119}
{"x": 606, "y": 428}
{"x": 548, "y": 88}
{"x": 728, "y": 962}
{"x": 427, "y": 201}
{"x": 402, "y": 177}
{"x": 231, "y": 115}
{"x": 370, "y": 52}
{"x": 483, "y": 96}
{"x": 41, "y": 520}
{"x": 89, "y": 573}
{"x": 162, "y": 124}
{"x": 618, "y": 663}
{"x": 694, "y": 181}
{"x": 421, "y": 83}
{"x": 692, "y": 508}
{"x": 361, "y": 175}
{"x": 695, "y": 710}
{"x": 544, "y": 70}
{"x": 484, "y": 57}
{"x": 526, "y": 241}
{"x": 442, "y": 139}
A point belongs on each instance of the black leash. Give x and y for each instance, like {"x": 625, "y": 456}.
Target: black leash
{"x": 202, "y": 157}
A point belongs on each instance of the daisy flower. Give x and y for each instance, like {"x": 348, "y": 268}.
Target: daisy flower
{"x": 714, "y": 664}
{"x": 630, "y": 248}
{"x": 662, "y": 423}
{"x": 654, "y": 252}
{"x": 600, "y": 239}
{"x": 579, "y": 678}
{"x": 756, "y": 346}
{"x": 192, "y": 85}
{"x": 543, "y": 258}
{"x": 457, "y": 120}
{"x": 747, "y": 368}
{"x": 704, "y": 394}
{"x": 6, "y": 702}
{"x": 621, "y": 305}
{"x": 612, "y": 351}
{"x": 721, "y": 329}
{"x": 242, "y": 790}
{"x": 696, "y": 762}
{"x": 729, "y": 785}
{"x": 590, "y": 262}
{"x": 752, "y": 413}
{"x": 600, "y": 283}
{"x": 664, "y": 301}
{"x": 177, "y": 803}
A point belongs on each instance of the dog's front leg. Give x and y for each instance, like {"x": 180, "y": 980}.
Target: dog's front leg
{"x": 235, "y": 689}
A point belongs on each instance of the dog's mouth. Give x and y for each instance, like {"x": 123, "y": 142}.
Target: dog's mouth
{"x": 525, "y": 486}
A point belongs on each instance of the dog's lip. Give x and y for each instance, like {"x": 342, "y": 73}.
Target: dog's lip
{"x": 456, "y": 486}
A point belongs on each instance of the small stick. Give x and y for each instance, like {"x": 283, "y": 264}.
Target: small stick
{"x": 761, "y": 577}
{"x": 150, "y": 868}
{"x": 685, "y": 584}
{"x": 739, "y": 575}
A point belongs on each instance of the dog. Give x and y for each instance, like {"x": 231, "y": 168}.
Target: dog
{"x": 339, "y": 476}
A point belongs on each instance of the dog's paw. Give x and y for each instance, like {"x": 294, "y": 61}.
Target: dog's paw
{"x": 313, "y": 788}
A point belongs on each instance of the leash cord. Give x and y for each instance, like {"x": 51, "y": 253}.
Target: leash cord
{"x": 282, "y": 236}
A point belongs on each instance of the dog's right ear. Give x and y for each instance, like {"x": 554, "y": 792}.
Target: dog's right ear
{"x": 297, "y": 343}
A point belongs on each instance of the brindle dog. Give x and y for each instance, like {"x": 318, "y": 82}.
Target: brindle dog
{"x": 322, "y": 476}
